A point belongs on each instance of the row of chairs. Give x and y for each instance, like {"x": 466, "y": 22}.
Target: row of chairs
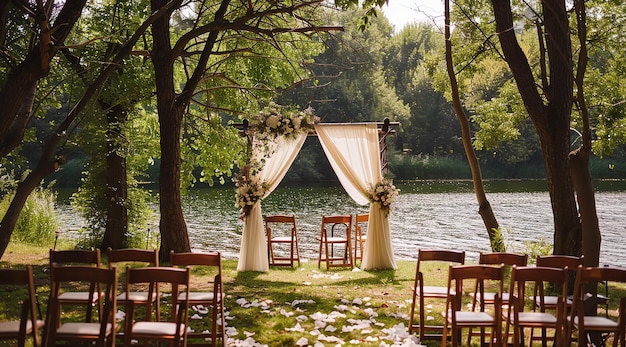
{"x": 77, "y": 279}
{"x": 565, "y": 316}
{"x": 335, "y": 240}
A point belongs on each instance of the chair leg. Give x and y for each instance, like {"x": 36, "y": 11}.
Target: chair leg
{"x": 298, "y": 251}
{"x": 319, "y": 258}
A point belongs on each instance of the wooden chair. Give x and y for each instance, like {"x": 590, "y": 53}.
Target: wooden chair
{"x": 457, "y": 318}
{"x": 143, "y": 257}
{"x": 487, "y": 297}
{"x": 359, "y": 236}
{"x": 583, "y": 314}
{"x": 80, "y": 257}
{"x": 445, "y": 258}
{"x": 561, "y": 262}
{"x": 58, "y": 327}
{"x": 212, "y": 298}
{"x": 519, "y": 318}
{"x": 497, "y": 258}
{"x": 21, "y": 284}
{"x": 328, "y": 241}
{"x": 274, "y": 225}
{"x": 170, "y": 328}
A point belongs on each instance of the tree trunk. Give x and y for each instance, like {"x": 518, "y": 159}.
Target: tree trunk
{"x": 484, "y": 207}
{"x": 174, "y": 236}
{"x": 116, "y": 232}
{"x": 552, "y": 121}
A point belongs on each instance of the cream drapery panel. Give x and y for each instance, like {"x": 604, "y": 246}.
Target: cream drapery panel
{"x": 253, "y": 251}
{"x": 354, "y": 153}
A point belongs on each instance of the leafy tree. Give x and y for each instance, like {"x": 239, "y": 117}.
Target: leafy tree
{"x": 231, "y": 51}
{"x": 549, "y": 86}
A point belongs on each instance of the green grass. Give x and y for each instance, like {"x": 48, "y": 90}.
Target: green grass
{"x": 287, "y": 295}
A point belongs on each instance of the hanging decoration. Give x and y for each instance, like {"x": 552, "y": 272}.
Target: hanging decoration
{"x": 263, "y": 129}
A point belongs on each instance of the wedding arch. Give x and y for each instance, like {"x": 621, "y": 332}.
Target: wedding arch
{"x": 357, "y": 154}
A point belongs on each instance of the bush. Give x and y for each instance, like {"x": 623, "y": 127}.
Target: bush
{"x": 409, "y": 167}
{"x": 38, "y": 220}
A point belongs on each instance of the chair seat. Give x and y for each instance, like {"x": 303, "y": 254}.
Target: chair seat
{"x": 435, "y": 292}
{"x": 540, "y": 318}
{"x": 155, "y": 328}
{"x": 472, "y": 318}
{"x": 77, "y": 297}
{"x": 82, "y": 329}
{"x": 490, "y": 297}
{"x": 286, "y": 239}
{"x": 549, "y": 300}
{"x": 336, "y": 239}
{"x": 197, "y": 297}
{"x": 13, "y": 327}
{"x": 139, "y": 297}
{"x": 597, "y": 323}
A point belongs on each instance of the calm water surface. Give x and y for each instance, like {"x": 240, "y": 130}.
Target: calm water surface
{"x": 425, "y": 215}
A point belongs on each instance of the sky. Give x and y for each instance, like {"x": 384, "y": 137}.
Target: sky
{"x": 402, "y": 12}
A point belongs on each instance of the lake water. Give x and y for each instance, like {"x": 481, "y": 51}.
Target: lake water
{"x": 425, "y": 215}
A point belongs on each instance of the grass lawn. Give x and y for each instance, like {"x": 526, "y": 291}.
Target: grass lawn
{"x": 288, "y": 307}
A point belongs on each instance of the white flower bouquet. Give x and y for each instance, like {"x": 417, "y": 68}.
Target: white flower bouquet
{"x": 247, "y": 192}
{"x": 383, "y": 193}
{"x": 276, "y": 120}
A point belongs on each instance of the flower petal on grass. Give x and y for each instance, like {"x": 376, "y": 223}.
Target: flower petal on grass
{"x": 297, "y": 328}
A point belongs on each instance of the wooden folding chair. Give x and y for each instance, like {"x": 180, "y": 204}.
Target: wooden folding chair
{"x": 591, "y": 327}
{"x": 170, "y": 328}
{"x": 497, "y": 258}
{"x": 458, "y": 316}
{"x": 212, "y": 298}
{"x": 80, "y": 257}
{"x": 60, "y": 327}
{"x": 19, "y": 283}
{"x": 329, "y": 239}
{"x": 558, "y": 261}
{"x": 360, "y": 220}
{"x": 538, "y": 317}
{"x": 134, "y": 257}
{"x": 281, "y": 230}
{"x": 442, "y": 258}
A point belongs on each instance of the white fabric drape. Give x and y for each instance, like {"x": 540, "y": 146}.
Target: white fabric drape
{"x": 253, "y": 251}
{"x": 354, "y": 153}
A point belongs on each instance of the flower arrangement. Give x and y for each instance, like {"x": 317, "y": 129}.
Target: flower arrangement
{"x": 383, "y": 193}
{"x": 271, "y": 122}
{"x": 248, "y": 190}
{"x": 276, "y": 120}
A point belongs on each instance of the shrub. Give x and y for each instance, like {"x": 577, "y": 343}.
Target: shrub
{"x": 38, "y": 220}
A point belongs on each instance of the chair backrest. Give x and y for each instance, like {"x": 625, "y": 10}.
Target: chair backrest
{"x": 450, "y": 257}
{"x": 174, "y": 277}
{"x": 75, "y": 257}
{"x": 488, "y": 274}
{"x": 15, "y": 281}
{"x": 333, "y": 221}
{"x": 212, "y": 260}
{"x": 133, "y": 255}
{"x": 560, "y": 261}
{"x": 62, "y": 277}
{"x": 272, "y": 222}
{"x": 361, "y": 218}
{"x": 505, "y": 258}
{"x": 536, "y": 275}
